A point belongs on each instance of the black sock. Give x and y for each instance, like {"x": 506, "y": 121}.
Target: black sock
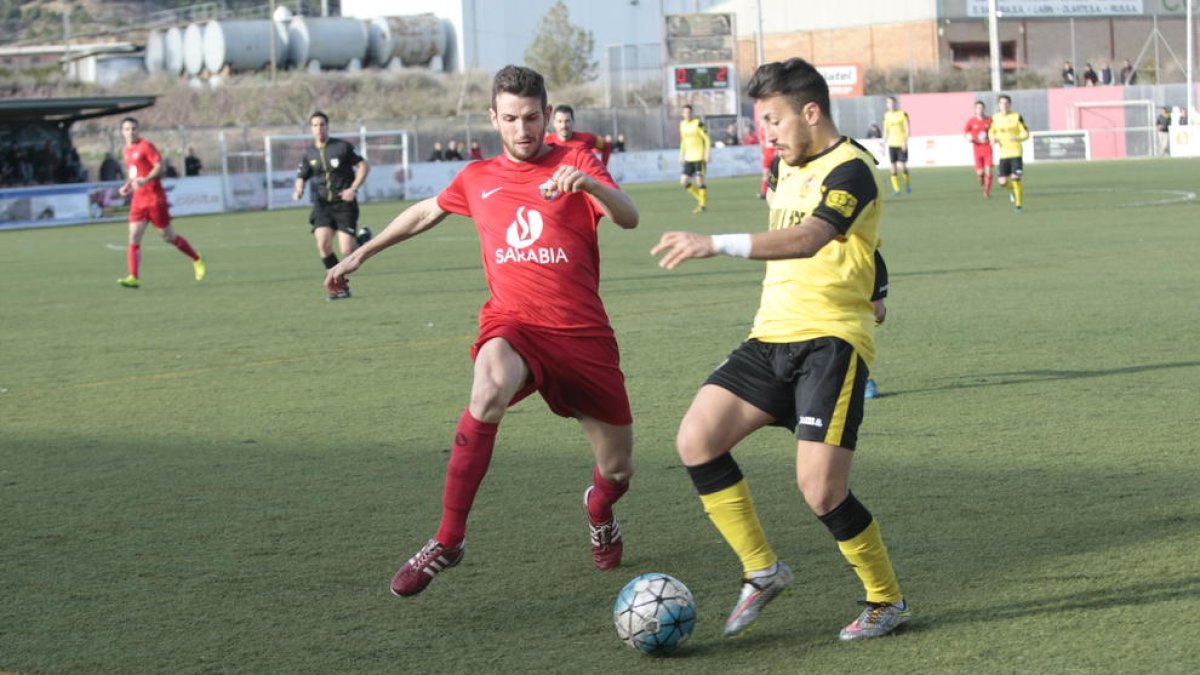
{"x": 330, "y": 260}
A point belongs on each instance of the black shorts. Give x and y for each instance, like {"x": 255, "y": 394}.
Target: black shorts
{"x": 695, "y": 168}
{"x": 897, "y": 155}
{"x": 1013, "y": 166}
{"x": 341, "y": 216}
{"x": 813, "y": 387}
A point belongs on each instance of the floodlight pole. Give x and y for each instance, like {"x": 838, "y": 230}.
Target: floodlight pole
{"x": 994, "y": 44}
{"x": 271, "y": 23}
{"x": 1191, "y": 59}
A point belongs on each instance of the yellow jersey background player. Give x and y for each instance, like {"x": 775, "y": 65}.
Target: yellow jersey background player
{"x": 895, "y": 134}
{"x": 1009, "y": 131}
{"x": 694, "y": 149}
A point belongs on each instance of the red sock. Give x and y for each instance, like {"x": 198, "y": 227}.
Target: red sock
{"x": 987, "y": 184}
{"x": 133, "y": 258}
{"x": 762, "y": 188}
{"x": 604, "y": 494}
{"x": 469, "y": 459}
{"x": 183, "y": 245}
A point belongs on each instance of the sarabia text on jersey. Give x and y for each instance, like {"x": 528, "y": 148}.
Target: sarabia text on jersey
{"x": 540, "y": 250}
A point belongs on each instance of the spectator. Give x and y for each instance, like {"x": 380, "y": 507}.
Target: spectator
{"x": 1128, "y": 74}
{"x": 1106, "y": 74}
{"x": 110, "y": 168}
{"x": 1068, "y": 74}
{"x": 731, "y": 136}
{"x": 438, "y": 154}
{"x": 47, "y": 162}
{"x": 874, "y": 131}
{"x": 169, "y": 170}
{"x": 191, "y": 163}
{"x": 1090, "y": 78}
{"x": 476, "y": 152}
{"x": 1163, "y": 126}
{"x": 619, "y": 144}
{"x": 452, "y": 152}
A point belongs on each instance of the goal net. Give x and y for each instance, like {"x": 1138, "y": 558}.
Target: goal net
{"x": 385, "y": 151}
{"x": 1116, "y": 128}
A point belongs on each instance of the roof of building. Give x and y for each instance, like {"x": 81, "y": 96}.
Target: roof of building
{"x": 70, "y": 110}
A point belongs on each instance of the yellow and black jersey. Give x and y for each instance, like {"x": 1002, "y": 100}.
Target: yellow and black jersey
{"x": 830, "y": 293}
{"x": 895, "y": 128}
{"x": 693, "y": 141}
{"x": 1008, "y": 130}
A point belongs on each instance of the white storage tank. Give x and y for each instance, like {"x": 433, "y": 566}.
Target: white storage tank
{"x": 330, "y": 42}
{"x": 412, "y": 40}
{"x": 193, "y": 48}
{"x": 155, "y": 52}
{"x": 243, "y": 45}
{"x": 173, "y": 50}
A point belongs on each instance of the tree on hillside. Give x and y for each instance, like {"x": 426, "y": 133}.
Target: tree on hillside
{"x": 561, "y": 51}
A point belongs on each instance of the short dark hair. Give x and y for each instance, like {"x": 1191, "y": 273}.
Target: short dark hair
{"x": 564, "y": 108}
{"x": 795, "y": 79}
{"x": 687, "y": 106}
{"x": 131, "y": 119}
{"x": 519, "y": 81}
{"x": 981, "y": 103}
{"x": 1004, "y": 97}
{"x": 318, "y": 113}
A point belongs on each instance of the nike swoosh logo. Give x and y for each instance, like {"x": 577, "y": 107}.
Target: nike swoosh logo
{"x": 488, "y": 193}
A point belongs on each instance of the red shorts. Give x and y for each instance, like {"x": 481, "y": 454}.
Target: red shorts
{"x": 153, "y": 210}
{"x": 768, "y": 156}
{"x": 573, "y": 374}
{"x": 983, "y": 155}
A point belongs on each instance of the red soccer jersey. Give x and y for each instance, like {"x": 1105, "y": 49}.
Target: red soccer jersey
{"x": 977, "y": 129}
{"x": 140, "y": 159}
{"x": 582, "y": 139}
{"x": 540, "y": 250}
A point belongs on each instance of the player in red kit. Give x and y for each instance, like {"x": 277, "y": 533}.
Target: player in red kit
{"x": 564, "y": 134}
{"x": 976, "y": 132}
{"x": 536, "y": 208}
{"x": 145, "y": 167}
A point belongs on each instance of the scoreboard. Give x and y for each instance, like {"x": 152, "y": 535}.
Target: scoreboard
{"x": 697, "y": 78}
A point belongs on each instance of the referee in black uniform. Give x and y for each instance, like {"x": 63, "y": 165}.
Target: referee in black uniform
{"x": 337, "y": 172}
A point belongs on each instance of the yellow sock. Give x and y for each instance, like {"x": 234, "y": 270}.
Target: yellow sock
{"x": 693, "y": 191}
{"x": 895, "y": 183}
{"x": 703, "y": 197}
{"x": 732, "y": 512}
{"x": 1018, "y": 193}
{"x": 868, "y": 556}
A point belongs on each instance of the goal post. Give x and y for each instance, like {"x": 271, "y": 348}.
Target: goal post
{"x": 386, "y": 151}
{"x": 1116, "y": 128}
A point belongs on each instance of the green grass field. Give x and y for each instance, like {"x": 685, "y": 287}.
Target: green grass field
{"x": 222, "y": 477}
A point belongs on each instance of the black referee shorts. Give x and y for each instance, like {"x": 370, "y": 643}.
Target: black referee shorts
{"x": 339, "y": 215}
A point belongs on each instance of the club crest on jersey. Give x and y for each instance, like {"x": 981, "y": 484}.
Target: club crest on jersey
{"x": 548, "y": 190}
{"x": 334, "y": 162}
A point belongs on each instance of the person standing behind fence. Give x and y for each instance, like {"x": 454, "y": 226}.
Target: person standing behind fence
{"x": 1163, "y": 126}
{"x": 145, "y": 168}
{"x": 339, "y": 171}
{"x": 1128, "y": 74}
{"x": 191, "y": 163}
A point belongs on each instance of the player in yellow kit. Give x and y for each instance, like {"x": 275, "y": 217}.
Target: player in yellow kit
{"x": 895, "y": 134}
{"x": 1008, "y": 131}
{"x": 694, "y": 149}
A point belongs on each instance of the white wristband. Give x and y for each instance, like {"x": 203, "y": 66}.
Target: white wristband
{"x": 735, "y": 245}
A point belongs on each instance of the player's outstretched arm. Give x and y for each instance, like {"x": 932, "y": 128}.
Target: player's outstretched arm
{"x": 802, "y": 241}
{"x": 617, "y": 205}
{"x": 412, "y": 221}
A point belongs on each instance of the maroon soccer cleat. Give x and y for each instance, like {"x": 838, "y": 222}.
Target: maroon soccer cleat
{"x": 605, "y": 538}
{"x": 415, "y": 575}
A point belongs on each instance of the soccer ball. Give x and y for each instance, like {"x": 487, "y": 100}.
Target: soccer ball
{"x": 654, "y": 613}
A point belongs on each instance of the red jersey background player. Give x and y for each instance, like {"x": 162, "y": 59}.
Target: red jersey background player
{"x": 144, "y": 167}
{"x": 536, "y": 209}
{"x": 976, "y": 132}
{"x": 768, "y": 155}
{"x": 564, "y": 134}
